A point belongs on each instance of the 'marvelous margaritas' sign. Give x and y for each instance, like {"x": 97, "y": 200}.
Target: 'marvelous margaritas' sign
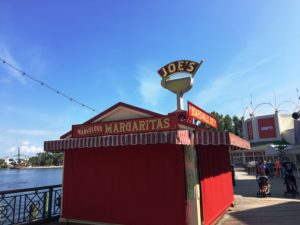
{"x": 151, "y": 124}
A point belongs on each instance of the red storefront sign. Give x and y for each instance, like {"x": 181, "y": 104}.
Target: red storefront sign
{"x": 266, "y": 127}
{"x": 250, "y": 130}
{"x": 259, "y": 153}
{"x": 236, "y": 154}
{"x": 150, "y": 124}
{"x": 199, "y": 114}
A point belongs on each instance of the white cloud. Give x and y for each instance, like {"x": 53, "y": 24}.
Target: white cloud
{"x": 150, "y": 91}
{"x": 30, "y": 141}
{"x": 230, "y": 93}
{"x": 25, "y": 143}
{"x": 6, "y": 55}
{"x": 29, "y": 132}
{"x": 31, "y": 150}
{"x": 149, "y": 85}
{"x": 26, "y": 149}
{"x": 216, "y": 90}
{"x": 253, "y": 71}
{"x": 4, "y": 80}
{"x": 234, "y": 82}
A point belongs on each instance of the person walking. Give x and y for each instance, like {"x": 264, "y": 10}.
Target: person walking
{"x": 232, "y": 174}
{"x": 288, "y": 168}
{"x": 270, "y": 166}
{"x": 260, "y": 170}
{"x": 248, "y": 167}
{"x": 265, "y": 168}
{"x": 277, "y": 167}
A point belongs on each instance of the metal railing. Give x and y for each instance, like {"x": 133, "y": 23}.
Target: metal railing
{"x": 30, "y": 205}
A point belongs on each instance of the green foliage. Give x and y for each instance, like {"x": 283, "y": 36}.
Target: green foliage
{"x": 3, "y": 163}
{"x": 58, "y": 159}
{"x": 226, "y": 123}
{"x": 41, "y": 159}
{"x": 34, "y": 161}
{"x": 280, "y": 147}
{"x": 220, "y": 120}
{"x": 237, "y": 126}
{"x": 47, "y": 159}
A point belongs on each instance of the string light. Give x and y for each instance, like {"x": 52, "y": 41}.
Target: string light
{"x": 46, "y": 85}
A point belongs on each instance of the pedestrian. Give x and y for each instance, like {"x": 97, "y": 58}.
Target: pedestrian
{"x": 288, "y": 168}
{"x": 260, "y": 170}
{"x": 270, "y": 167}
{"x": 277, "y": 167}
{"x": 281, "y": 171}
{"x": 265, "y": 168}
{"x": 232, "y": 174}
{"x": 257, "y": 168}
{"x": 248, "y": 167}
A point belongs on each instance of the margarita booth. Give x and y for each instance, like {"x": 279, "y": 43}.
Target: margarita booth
{"x": 132, "y": 166}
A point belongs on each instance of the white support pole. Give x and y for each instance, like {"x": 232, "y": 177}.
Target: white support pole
{"x": 192, "y": 186}
{"x": 179, "y": 102}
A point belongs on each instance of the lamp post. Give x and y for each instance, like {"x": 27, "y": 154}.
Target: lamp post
{"x": 296, "y": 115}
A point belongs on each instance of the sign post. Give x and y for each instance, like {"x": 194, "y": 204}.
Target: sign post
{"x": 182, "y": 84}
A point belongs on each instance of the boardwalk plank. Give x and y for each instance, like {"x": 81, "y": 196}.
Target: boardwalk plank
{"x": 248, "y": 210}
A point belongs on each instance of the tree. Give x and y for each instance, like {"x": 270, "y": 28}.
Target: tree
{"x": 44, "y": 159}
{"x": 3, "y": 163}
{"x": 228, "y": 123}
{"x": 47, "y": 159}
{"x": 280, "y": 147}
{"x": 34, "y": 161}
{"x": 12, "y": 162}
{"x": 237, "y": 126}
{"x": 58, "y": 159}
{"x": 220, "y": 120}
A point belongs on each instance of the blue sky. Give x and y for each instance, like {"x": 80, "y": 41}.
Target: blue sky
{"x": 103, "y": 52}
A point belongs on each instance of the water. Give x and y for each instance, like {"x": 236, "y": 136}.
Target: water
{"x": 28, "y": 177}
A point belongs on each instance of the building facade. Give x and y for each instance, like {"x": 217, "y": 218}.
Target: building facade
{"x": 262, "y": 132}
{"x": 269, "y": 128}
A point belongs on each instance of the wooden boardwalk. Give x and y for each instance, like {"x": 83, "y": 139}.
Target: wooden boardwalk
{"x": 248, "y": 210}
{"x": 275, "y": 210}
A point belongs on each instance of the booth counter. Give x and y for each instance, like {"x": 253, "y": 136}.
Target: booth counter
{"x": 132, "y": 166}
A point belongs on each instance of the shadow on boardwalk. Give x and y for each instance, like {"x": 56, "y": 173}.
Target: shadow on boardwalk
{"x": 247, "y": 185}
{"x": 249, "y": 209}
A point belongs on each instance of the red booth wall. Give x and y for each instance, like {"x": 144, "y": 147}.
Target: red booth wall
{"x": 216, "y": 181}
{"x": 132, "y": 185}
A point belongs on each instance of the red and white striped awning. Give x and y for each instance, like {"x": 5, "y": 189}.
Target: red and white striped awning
{"x": 180, "y": 137}
{"x": 238, "y": 142}
{"x": 204, "y": 137}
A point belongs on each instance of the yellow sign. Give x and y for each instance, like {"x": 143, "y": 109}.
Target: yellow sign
{"x": 124, "y": 126}
{"x": 180, "y": 66}
{"x": 199, "y": 114}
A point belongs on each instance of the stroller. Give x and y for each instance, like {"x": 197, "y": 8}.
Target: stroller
{"x": 291, "y": 187}
{"x": 264, "y": 187}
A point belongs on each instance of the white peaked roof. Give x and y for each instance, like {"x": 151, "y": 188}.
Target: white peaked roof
{"x": 119, "y": 111}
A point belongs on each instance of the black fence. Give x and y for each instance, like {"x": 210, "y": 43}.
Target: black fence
{"x": 30, "y": 205}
